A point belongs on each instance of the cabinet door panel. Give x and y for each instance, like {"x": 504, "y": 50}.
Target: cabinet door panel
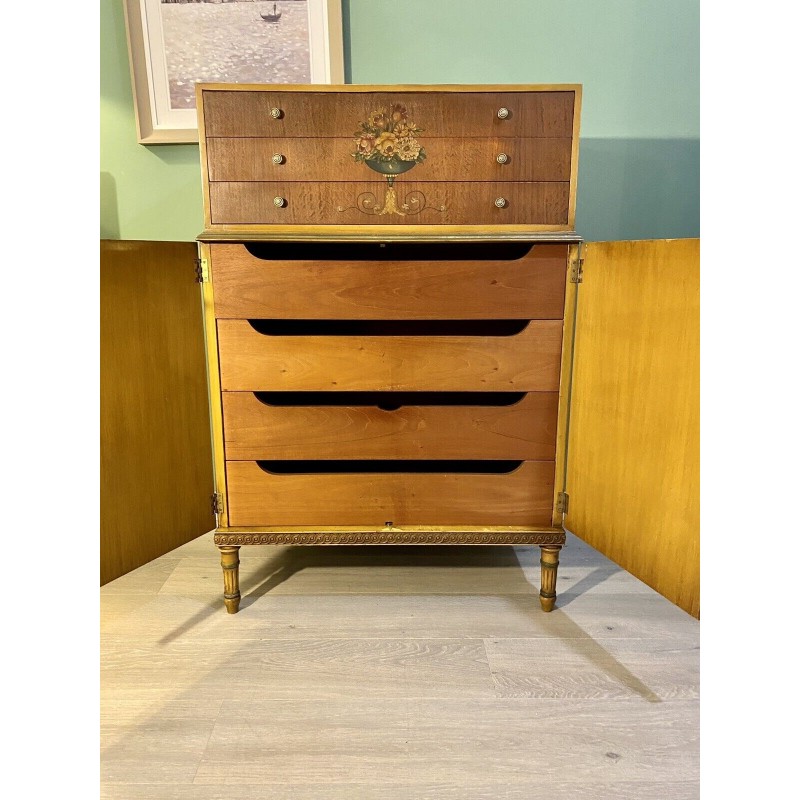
{"x": 155, "y": 450}
{"x": 634, "y": 449}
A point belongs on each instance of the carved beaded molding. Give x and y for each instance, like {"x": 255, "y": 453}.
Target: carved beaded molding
{"x": 389, "y": 537}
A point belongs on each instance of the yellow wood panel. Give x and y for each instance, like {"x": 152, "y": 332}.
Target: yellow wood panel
{"x": 633, "y": 469}
{"x": 155, "y": 480}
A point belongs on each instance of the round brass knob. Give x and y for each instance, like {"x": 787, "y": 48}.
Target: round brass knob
{"x": 280, "y": 202}
{"x": 502, "y": 158}
{"x": 502, "y": 113}
{"x": 275, "y": 113}
{"x": 501, "y": 202}
{"x": 278, "y": 158}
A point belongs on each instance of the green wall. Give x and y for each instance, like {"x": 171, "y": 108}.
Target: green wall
{"x": 638, "y": 61}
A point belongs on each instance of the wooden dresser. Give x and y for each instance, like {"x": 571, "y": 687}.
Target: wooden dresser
{"x": 389, "y": 282}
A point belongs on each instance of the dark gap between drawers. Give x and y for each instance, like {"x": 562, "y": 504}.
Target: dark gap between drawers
{"x": 473, "y": 467}
{"x": 388, "y": 251}
{"x": 389, "y": 401}
{"x": 392, "y": 327}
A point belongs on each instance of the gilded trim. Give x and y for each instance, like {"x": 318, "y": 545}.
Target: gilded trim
{"x": 214, "y": 386}
{"x": 204, "y": 172}
{"x": 408, "y": 87}
{"x": 389, "y": 537}
{"x": 573, "y": 175}
{"x": 565, "y": 383}
{"x": 388, "y": 233}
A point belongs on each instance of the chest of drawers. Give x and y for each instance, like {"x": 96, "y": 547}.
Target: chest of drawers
{"x": 389, "y": 282}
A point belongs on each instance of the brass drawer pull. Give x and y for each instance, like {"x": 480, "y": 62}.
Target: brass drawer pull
{"x": 276, "y": 113}
{"x": 278, "y": 158}
{"x": 280, "y": 202}
{"x": 501, "y": 202}
{"x": 502, "y": 158}
{"x": 503, "y": 113}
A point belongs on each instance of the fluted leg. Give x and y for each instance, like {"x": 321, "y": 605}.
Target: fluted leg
{"x": 230, "y": 577}
{"x": 549, "y": 562}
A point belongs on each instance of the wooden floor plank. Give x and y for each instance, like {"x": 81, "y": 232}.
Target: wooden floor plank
{"x": 435, "y": 790}
{"x": 436, "y": 616}
{"x": 162, "y": 749}
{"x": 302, "y": 668}
{"x": 655, "y": 670}
{"x": 419, "y": 741}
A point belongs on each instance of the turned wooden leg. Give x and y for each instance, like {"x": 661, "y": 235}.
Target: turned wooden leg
{"x": 230, "y": 577}
{"x": 549, "y": 562}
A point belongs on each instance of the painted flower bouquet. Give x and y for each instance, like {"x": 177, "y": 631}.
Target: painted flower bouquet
{"x": 387, "y": 143}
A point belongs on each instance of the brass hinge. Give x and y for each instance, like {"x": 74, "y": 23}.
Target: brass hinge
{"x": 216, "y": 503}
{"x": 576, "y": 270}
{"x": 562, "y": 503}
{"x": 201, "y": 270}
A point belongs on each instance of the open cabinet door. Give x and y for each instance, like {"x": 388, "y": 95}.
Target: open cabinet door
{"x": 155, "y": 438}
{"x": 633, "y": 464}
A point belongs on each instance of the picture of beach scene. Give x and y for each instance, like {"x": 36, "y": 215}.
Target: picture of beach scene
{"x": 239, "y": 41}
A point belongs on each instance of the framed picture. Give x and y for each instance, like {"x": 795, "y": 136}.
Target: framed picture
{"x": 174, "y": 44}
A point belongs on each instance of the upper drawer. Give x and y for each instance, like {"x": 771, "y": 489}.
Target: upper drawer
{"x": 353, "y": 284}
{"x": 448, "y": 114}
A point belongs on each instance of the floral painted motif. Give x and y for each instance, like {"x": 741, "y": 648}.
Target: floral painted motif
{"x": 387, "y": 141}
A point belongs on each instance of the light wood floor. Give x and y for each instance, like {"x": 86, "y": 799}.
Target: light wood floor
{"x": 395, "y": 673}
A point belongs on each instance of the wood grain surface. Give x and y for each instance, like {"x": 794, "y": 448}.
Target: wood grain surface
{"x": 343, "y": 657}
{"x": 633, "y": 469}
{"x": 455, "y": 740}
{"x": 522, "y": 497}
{"x": 331, "y": 159}
{"x": 464, "y": 202}
{"x": 155, "y": 453}
{"x": 437, "y": 114}
{"x": 247, "y": 287}
{"x": 525, "y": 430}
{"x": 528, "y": 362}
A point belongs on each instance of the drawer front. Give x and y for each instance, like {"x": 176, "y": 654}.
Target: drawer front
{"x": 527, "y": 362}
{"x": 462, "y": 202}
{"x": 331, "y": 159}
{"x": 247, "y": 287}
{"x": 522, "y": 497}
{"x": 523, "y": 429}
{"x": 437, "y": 114}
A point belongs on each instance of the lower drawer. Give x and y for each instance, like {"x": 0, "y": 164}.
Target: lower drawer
{"x": 409, "y": 202}
{"x": 257, "y": 496}
{"x": 332, "y": 425}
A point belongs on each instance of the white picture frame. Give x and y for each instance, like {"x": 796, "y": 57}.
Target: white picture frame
{"x": 157, "y": 121}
